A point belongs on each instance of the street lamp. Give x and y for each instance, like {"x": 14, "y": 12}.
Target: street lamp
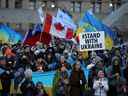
{"x": 110, "y": 4}
{"x": 53, "y": 5}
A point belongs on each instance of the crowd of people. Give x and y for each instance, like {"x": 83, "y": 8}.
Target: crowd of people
{"x": 107, "y": 70}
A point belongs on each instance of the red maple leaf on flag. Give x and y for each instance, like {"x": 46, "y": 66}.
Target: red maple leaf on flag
{"x": 58, "y": 27}
{"x": 69, "y": 34}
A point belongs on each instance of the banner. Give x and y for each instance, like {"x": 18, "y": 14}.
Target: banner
{"x": 89, "y": 23}
{"x": 8, "y": 35}
{"x": 90, "y": 41}
{"x": 45, "y": 77}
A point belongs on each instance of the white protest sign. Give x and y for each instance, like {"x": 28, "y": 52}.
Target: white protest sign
{"x": 90, "y": 41}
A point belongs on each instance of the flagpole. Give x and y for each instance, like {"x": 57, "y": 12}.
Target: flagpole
{"x": 25, "y": 35}
{"x": 53, "y": 38}
{"x": 27, "y": 32}
{"x": 53, "y": 41}
{"x": 43, "y": 28}
{"x": 41, "y": 33}
{"x": 43, "y": 25}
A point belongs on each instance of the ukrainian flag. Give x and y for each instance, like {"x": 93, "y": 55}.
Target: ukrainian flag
{"x": 9, "y": 35}
{"x": 90, "y": 23}
{"x": 46, "y": 78}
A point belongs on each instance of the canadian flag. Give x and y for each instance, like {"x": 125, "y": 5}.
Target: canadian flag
{"x": 65, "y": 19}
{"x": 59, "y": 30}
{"x": 59, "y": 26}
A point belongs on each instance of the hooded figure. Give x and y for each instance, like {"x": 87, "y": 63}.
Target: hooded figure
{"x": 6, "y": 77}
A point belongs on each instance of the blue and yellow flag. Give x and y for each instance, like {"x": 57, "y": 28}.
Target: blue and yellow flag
{"x": 46, "y": 78}
{"x": 90, "y": 23}
{"x": 9, "y": 35}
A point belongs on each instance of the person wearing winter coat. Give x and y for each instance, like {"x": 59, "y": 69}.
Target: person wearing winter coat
{"x": 100, "y": 85}
{"x": 6, "y": 77}
{"x": 27, "y": 87}
{"x": 119, "y": 85}
{"x": 63, "y": 83}
{"x": 77, "y": 81}
{"x": 39, "y": 90}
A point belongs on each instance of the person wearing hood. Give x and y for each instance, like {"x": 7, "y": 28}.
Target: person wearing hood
{"x": 51, "y": 59}
{"x": 6, "y": 77}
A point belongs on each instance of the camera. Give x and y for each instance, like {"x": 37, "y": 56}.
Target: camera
{"x": 101, "y": 85}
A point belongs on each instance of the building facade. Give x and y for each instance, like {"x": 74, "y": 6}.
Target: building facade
{"x": 22, "y": 14}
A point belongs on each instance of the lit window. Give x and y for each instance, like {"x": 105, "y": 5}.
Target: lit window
{"x": 98, "y": 6}
{"x": 31, "y": 5}
{"x": 72, "y": 6}
{"x": 78, "y": 7}
{"x": 75, "y": 6}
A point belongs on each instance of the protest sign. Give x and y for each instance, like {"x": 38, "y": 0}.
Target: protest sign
{"x": 90, "y": 41}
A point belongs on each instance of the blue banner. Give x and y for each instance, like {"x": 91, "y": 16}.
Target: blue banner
{"x": 9, "y": 35}
{"x": 45, "y": 77}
